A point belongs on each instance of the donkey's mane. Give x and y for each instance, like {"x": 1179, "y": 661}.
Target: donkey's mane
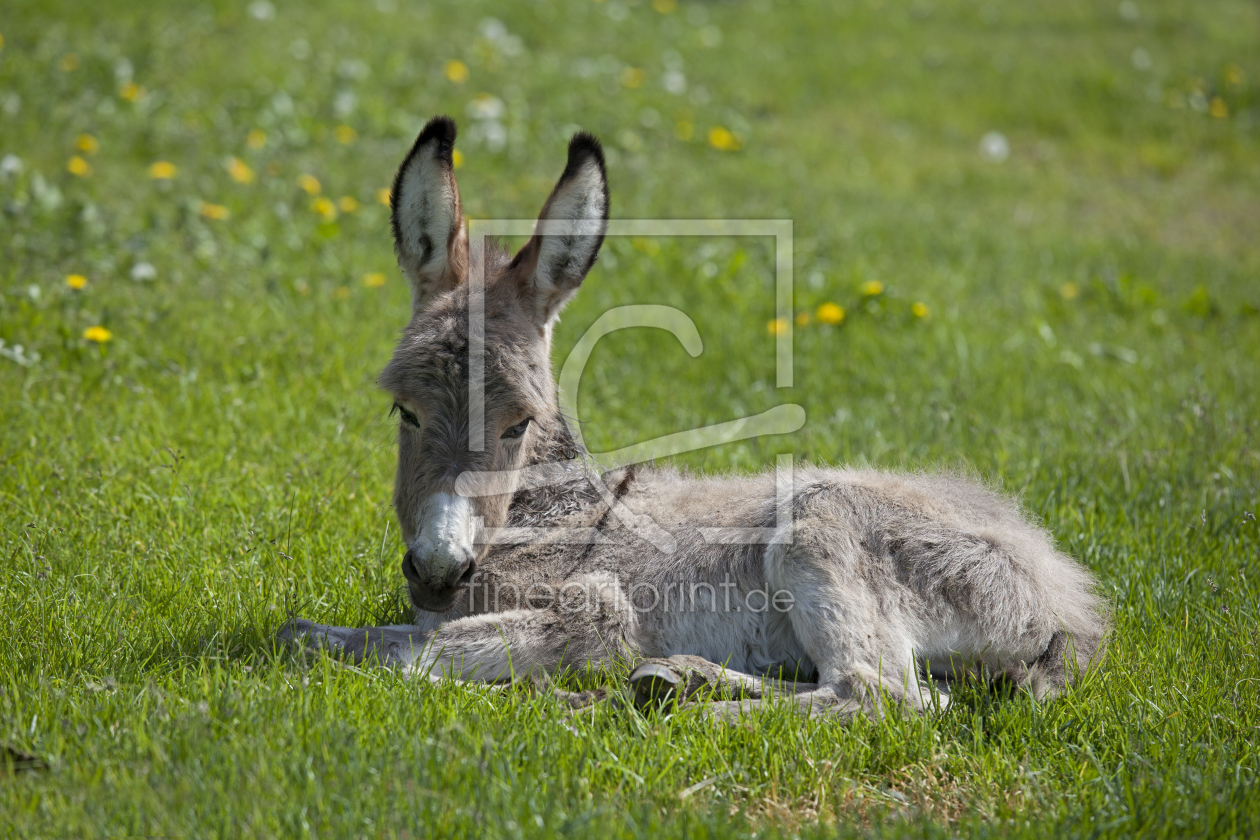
{"x": 545, "y": 505}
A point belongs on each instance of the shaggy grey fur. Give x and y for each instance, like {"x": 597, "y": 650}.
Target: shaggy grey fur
{"x": 880, "y": 584}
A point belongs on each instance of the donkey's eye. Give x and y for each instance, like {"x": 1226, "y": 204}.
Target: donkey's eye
{"x": 407, "y": 416}
{"x": 518, "y": 430}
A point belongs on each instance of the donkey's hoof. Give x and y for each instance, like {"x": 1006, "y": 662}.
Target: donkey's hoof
{"x": 653, "y": 682}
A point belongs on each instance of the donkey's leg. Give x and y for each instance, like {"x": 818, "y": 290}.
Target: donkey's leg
{"x": 855, "y": 623}
{"x": 394, "y": 646}
{"x": 587, "y": 621}
{"x": 732, "y": 693}
{"x": 685, "y": 677}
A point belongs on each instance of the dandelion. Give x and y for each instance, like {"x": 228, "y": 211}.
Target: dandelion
{"x": 217, "y": 212}
{"x": 871, "y": 288}
{"x": 341, "y": 293}
{"x": 69, "y": 63}
{"x": 1218, "y": 108}
{"x": 76, "y": 281}
{"x": 239, "y": 171}
{"x": 684, "y": 130}
{"x": 130, "y": 92}
{"x": 98, "y": 334}
{"x": 802, "y": 319}
{"x": 162, "y": 170}
{"x": 665, "y": 7}
{"x": 1233, "y": 74}
{"x": 920, "y": 310}
{"x": 374, "y": 280}
{"x": 457, "y": 158}
{"x": 256, "y": 139}
{"x": 345, "y": 135}
{"x": 632, "y": 77}
{"x": 78, "y": 166}
{"x": 830, "y": 313}
{"x": 1069, "y": 291}
{"x": 325, "y": 208}
{"x": 382, "y": 195}
{"x": 722, "y": 139}
{"x": 777, "y": 326}
{"x": 347, "y": 204}
{"x": 309, "y": 183}
{"x": 87, "y": 144}
{"x": 456, "y": 71}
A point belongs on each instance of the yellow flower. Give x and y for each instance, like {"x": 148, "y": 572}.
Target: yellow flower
{"x": 920, "y": 310}
{"x": 665, "y": 7}
{"x": 374, "y": 280}
{"x": 1218, "y": 108}
{"x": 162, "y": 170}
{"x": 777, "y": 326}
{"x": 1069, "y": 290}
{"x": 130, "y": 92}
{"x": 456, "y": 71}
{"x": 347, "y": 204}
{"x": 1, "y": 42}
{"x": 76, "y": 281}
{"x": 240, "y": 171}
{"x": 69, "y": 62}
{"x": 309, "y": 183}
{"x": 98, "y": 334}
{"x": 382, "y": 196}
{"x": 87, "y": 144}
{"x": 325, "y": 208}
{"x": 802, "y": 319}
{"x": 345, "y": 135}
{"x": 213, "y": 211}
{"x": 871, "y": 288}
{"x": 457, "y": 158}
{"x": 632, "y": 77}
{"x": 78, "y": 166}
{"x": 722, "y": 139}
{"x": 1233, "y": 74}
{"x": 256, "y": 138}
{"x": 684, "y": 130}
{"x": 830, "y": 313}
{"x": 341, "y": 292}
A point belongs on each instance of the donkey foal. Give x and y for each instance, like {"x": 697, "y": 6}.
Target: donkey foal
{"x": 880, "y": 584}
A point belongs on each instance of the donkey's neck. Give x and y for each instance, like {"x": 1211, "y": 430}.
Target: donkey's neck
{"x": 545, "y": 505}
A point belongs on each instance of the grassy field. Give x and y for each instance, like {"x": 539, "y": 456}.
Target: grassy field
{"x": 1041, "y": 221}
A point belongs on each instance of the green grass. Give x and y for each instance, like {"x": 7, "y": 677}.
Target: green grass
{"x": 167, "y": 498}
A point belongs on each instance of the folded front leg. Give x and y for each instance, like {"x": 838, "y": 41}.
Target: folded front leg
{"x": 588, "y": 621}
{"x": 394, "y": 646}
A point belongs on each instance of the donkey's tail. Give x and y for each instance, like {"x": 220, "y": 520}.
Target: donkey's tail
{"x": 1067, "y": 656}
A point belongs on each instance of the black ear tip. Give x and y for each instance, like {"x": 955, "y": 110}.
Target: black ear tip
{"x": 439, "y": 130}
{"x": 584, "y": 146}
{"x": 440, "y": 127}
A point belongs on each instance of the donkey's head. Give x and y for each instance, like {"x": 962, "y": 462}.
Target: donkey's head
{"x": 443, "y": 431}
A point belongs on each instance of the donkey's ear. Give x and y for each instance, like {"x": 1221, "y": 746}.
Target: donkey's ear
{"x": 429, "y": 233}
{"x": 568, "y": 234}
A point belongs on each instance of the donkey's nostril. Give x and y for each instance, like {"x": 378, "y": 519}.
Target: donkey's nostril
{"x": 469, "y": 571}
{"x": 409, "y": 567}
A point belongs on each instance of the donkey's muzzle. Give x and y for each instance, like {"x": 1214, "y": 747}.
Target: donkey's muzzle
{"x": 435, "y": 596}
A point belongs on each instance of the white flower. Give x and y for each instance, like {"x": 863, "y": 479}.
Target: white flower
{"x": 143, "y": 271}
{"x": 10, "y": 165}
{"x": 262, "y": 10}
{"x": 486, "y": 107}
{"x": 995, "y": 147}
